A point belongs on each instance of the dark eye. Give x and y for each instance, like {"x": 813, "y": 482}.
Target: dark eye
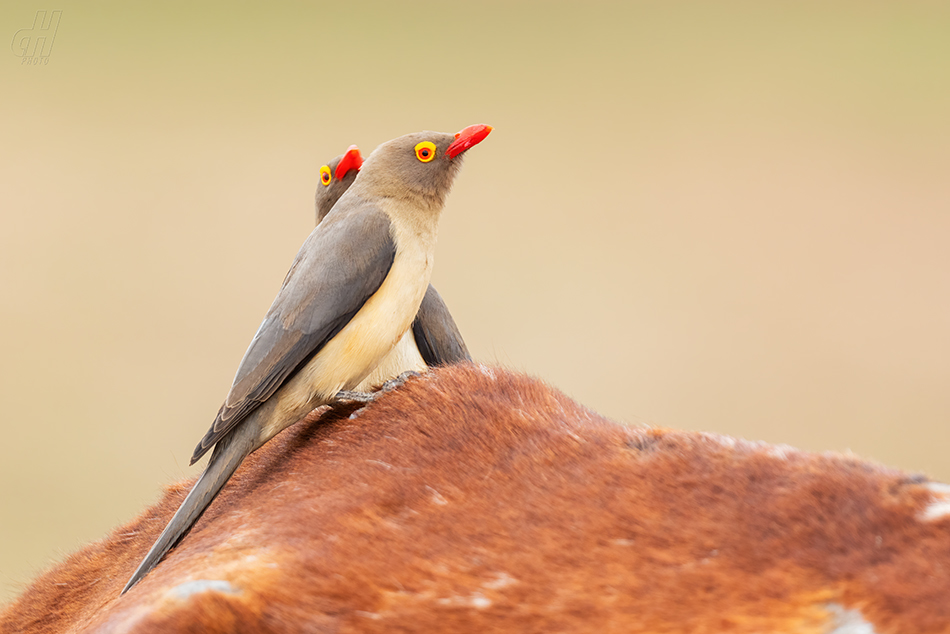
{"x": 425, "y": 151}
{"x": 325, "y": 176}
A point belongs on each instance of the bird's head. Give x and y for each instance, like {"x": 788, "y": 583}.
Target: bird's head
{"x": 422, "y": 164}
{"x": 335, "y": 177}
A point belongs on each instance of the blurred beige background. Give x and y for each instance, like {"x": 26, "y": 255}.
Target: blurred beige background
{"x": 721, "y": 216}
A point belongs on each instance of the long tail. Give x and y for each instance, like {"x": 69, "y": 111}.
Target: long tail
{"x": 227, "y": 456}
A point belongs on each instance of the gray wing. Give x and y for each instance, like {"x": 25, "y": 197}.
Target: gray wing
{"x": 437, "y": 337}
{"x": 341, "y": 264}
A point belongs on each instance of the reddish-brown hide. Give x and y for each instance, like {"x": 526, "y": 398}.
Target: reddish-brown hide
{"x": 474, "y": 499}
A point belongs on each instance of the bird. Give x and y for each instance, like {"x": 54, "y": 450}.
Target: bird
{"x": 434, "y": 339}
{"x": 351, "y": 293}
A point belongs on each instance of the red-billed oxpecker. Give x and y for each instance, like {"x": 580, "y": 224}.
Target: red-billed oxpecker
{"x": 434, "y": 339}
{"x": 351, "y": 294}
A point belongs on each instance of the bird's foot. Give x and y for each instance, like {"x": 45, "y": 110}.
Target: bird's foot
{"x": 369, "y": 397}
{"x": 392, "y": 384}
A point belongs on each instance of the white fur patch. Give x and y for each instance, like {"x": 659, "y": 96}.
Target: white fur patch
{"x": 939, "y": 506}
{"x": 846, "y": 621}
{"x": 186, "y": 590}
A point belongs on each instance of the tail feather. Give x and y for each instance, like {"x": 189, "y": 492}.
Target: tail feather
{"x": 228, "y": 455}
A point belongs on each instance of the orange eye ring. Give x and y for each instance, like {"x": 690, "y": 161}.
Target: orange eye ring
{"x": 425, "y": 151}
{"x": 325, "y": 175}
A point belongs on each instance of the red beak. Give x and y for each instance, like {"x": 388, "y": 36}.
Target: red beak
{"x": 472, "y": 135}
{"x": 351, "y": 160}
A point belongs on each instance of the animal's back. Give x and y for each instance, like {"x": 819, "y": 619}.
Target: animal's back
{"x": 474, "y": 499}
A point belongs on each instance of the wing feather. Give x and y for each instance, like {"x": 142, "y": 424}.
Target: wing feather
{"x": 339, "y": 267}
{"x": 437, "y": 337}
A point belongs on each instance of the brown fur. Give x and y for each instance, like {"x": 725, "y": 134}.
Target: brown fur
{"x": 474, "y": 499}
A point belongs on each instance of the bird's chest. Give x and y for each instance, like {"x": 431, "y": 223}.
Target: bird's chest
{"x": 395, "y": 305}
{"x": 406, "y": 283}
